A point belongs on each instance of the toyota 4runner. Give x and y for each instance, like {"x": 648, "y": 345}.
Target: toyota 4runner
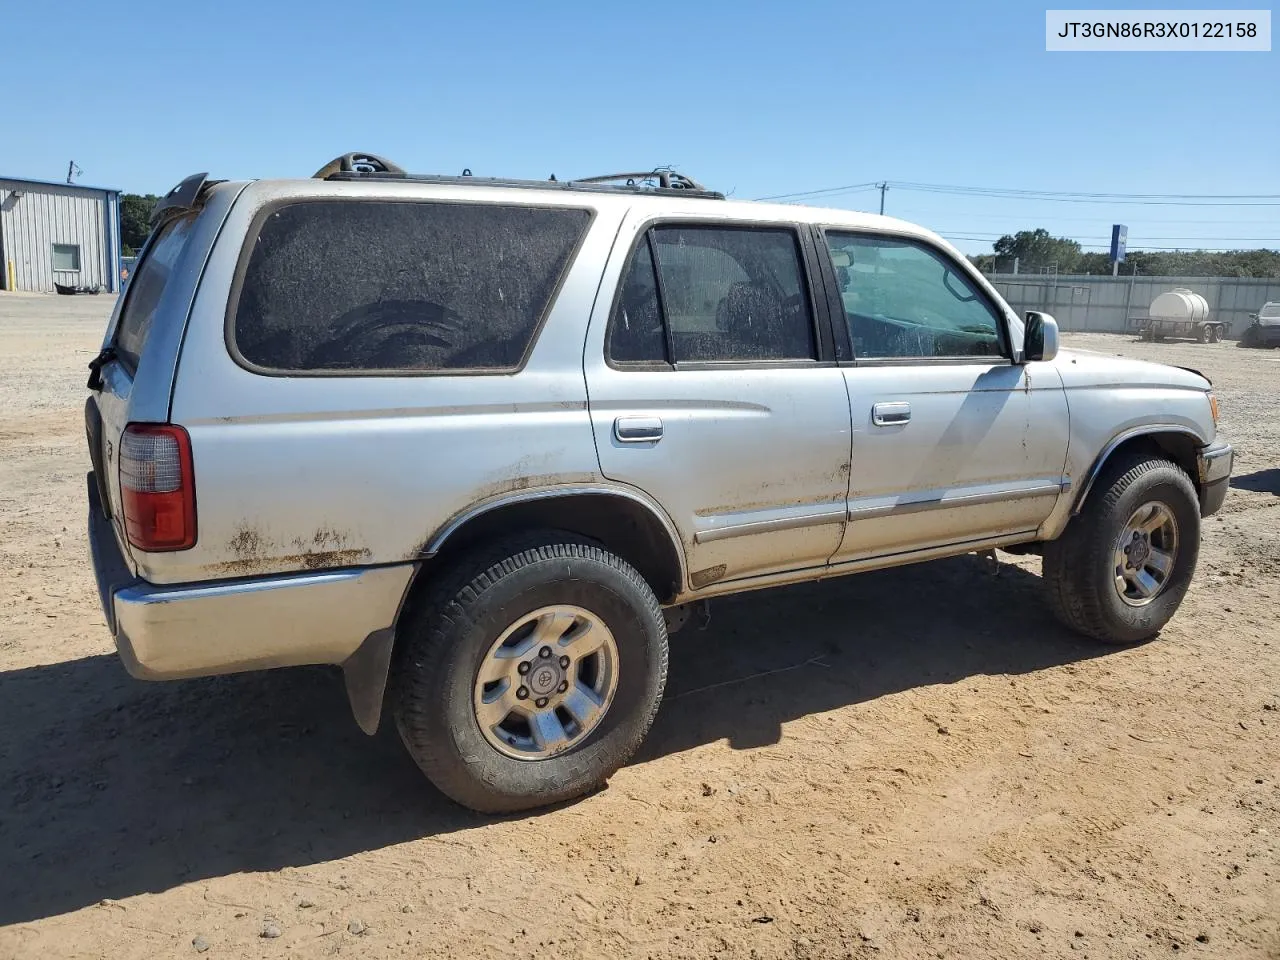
{"x": 483, "y": 442}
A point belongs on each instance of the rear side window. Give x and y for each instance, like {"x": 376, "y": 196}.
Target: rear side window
{"x": 401, "y": 286}
{"x": 726, "y": 295}
{"x": 148, "y": 282}
{"x": 636, "y": 334}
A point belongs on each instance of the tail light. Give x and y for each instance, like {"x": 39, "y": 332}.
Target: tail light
{"x": 157, "y": 487}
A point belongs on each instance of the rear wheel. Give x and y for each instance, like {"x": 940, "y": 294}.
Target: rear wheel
{"x": 1205, "y": 333}
{"x": 1215, "y": 333}
{"x": 1120, "y": 570}
{"x": 530, "y": 673}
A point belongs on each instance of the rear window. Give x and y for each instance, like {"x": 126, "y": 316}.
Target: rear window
{"x": 145, "y": 287}
{"x": 400, "y": 286}
{"x": 1270, "y": 311}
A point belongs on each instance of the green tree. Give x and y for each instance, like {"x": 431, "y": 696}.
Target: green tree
{"x": 1037, "y": 249}
{"x": 135, "y": 220}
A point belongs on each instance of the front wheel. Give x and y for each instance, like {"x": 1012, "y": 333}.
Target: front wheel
{"x": 529, "y": 673}
{"x": 1120, "y": 570}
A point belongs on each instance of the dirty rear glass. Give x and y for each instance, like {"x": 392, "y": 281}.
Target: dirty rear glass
{"x": 734, "y": 294}
{"x": 387, "y": 285}
{"x": 145, "y": 288}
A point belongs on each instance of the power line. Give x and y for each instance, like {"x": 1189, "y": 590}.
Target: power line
{"x": 827, "y": 191}
{"x": 926, "y": 214}
{"x": 1048, "y": 196}
{"x": 1077, "y": 194}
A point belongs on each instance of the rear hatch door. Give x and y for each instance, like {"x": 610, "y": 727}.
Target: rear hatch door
{"x": 128, "y": 382}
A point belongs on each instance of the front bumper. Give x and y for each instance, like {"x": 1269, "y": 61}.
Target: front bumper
{"x": 1214, "y": 466}
{"x": 1263, "y": 335}
{"x": 194, "y": 630}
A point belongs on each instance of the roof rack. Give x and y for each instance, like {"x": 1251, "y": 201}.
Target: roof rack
{"x": 667, "y": 180}
{"x": 368, "y": 166}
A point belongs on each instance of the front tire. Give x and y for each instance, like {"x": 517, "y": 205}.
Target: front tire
{"x": 1120, "y": 570}
{"x": 529, "y": 673}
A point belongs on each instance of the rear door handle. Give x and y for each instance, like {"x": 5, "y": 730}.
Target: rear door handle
{"x": 891, "y": 414}
{"x": 637, "y": 429}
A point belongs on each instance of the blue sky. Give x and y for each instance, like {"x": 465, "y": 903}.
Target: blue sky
{"x": 758, "y": 99}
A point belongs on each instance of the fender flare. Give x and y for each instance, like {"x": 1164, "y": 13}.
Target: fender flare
{"x": 1124, "y": 436}
{"x": 475, "y": 511}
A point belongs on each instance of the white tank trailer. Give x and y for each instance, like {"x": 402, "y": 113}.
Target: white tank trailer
{"x": 1180, "y": 313}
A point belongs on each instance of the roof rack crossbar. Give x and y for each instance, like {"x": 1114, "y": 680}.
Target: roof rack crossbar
{"x": 368, "y": 166}
{"x": 667, "y": 179}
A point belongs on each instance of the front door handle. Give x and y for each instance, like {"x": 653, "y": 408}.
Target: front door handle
{"x": 637, "y": 429}
{"x": 891, "y": 414}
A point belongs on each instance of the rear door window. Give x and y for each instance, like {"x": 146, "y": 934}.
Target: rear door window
{"x": 734, "y": 294}
{"x": 147, "y": 284}
{"x": 636, "y": 333}
{"x": 386, "y": 286}
{"x": 719, "y": 295}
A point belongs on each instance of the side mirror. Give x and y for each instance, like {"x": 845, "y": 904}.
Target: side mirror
{"x": 1040, "y": 341}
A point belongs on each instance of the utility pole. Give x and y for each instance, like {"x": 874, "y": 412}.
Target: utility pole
{"x": 883, "y": 187}
{"x": 72, "y": 170}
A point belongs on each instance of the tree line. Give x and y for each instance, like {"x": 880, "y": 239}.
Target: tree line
{"x": 1038, "y": 250}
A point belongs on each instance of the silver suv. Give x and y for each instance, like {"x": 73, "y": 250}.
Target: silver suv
{"x": 483, "y": 443}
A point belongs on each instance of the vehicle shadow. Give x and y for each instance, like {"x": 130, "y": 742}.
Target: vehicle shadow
{"x": 1261, "y": 481}
{"x": 773, "y": 656}
{"x": 111, "y": 787}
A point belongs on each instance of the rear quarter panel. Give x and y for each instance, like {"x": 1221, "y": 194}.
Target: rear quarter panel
{"x": 305, "y": 473}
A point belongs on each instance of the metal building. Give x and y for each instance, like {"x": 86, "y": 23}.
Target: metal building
{"x": 60, "y": 233}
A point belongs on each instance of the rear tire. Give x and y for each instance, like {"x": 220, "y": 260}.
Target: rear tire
{"x": 1215, "y": 334}
{"x": 1204, "y": 334}
{"x": 455, "y": 633}
{"x": 1086, "y": 568}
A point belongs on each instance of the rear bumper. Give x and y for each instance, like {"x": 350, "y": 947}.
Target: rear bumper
{"x": 193, "y": 630}
{"x": 1214, "y": 465}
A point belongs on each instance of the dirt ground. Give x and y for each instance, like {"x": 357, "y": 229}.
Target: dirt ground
{"x": 916, "y": 763}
